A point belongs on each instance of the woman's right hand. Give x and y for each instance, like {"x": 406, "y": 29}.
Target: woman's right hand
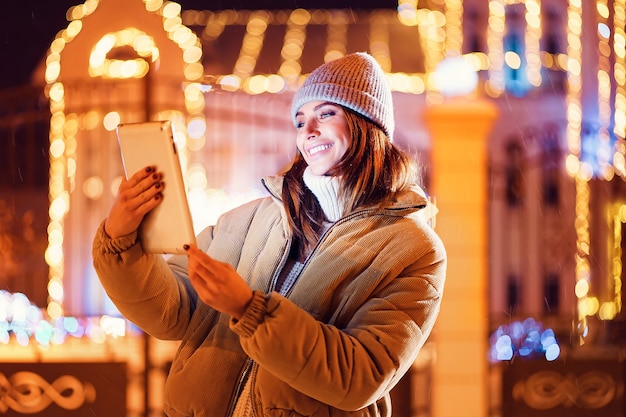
{"x": 135, "y": 198}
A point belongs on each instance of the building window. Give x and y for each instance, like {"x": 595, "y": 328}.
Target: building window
{"x": 550, "y": 166}
{"x": 514, "y": 175}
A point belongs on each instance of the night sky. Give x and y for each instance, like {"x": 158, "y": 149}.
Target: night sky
{"x": 29, "y": 26}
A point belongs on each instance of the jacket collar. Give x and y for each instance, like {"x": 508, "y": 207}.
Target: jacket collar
{"x": 405, "y": 203}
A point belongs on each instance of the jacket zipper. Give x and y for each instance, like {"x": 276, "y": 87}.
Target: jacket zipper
{"x": 250, "y": 364}
{"x": 313, "y": 251}
{"x": 253, "y": 371}
{"x": 243, "y": 377}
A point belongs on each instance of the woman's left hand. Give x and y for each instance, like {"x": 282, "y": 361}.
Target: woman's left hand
{"x": 218, "y": 284}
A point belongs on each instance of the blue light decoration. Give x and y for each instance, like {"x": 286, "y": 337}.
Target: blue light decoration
{"x": 24, "y": 323}
{"x": 594, "y": 151}
{"x": 526, "y": 339}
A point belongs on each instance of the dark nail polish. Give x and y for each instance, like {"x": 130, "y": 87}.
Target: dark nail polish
{"x": 158, "y": 185}
{"x": 148, "y": 169}
{"x": 186, "y": 247}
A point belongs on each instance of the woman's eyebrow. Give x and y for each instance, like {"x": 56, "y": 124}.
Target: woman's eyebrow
{"x": 319, "y": 106}
{"x": 326, "y": 103}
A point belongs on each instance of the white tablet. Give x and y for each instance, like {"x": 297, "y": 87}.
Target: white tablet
{"x": 169, "y": 225}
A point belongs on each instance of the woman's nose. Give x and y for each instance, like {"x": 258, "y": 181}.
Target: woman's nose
{"x": 311, "y": 130}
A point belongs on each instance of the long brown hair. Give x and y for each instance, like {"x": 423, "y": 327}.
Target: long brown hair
{"x": 372, "y": 172}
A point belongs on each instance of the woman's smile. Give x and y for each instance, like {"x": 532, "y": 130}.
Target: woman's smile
{"x": 319, "y": 148}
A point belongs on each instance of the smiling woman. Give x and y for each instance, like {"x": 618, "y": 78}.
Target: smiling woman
{"x": 335, "y": 274}
{"x": 323, "y": 136}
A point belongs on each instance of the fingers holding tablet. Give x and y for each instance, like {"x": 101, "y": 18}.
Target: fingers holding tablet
{"x": 150, "y": 160}
{"x": 149, "y": 186}
{"x": 137, "y": 196}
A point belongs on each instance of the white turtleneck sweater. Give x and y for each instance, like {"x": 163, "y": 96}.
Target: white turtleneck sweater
{"x": 325, "y": 189}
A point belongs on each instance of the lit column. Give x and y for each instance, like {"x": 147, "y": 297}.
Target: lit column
{"x": 459, "y": 130}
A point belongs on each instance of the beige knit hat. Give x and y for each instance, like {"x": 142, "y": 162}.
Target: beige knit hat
{"x": 355, "y": 81}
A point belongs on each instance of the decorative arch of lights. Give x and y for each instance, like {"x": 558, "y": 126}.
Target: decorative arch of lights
{"x": 611, "y": 40}
{"x": 100, "y": 65}
{"x": 63, "y": 131}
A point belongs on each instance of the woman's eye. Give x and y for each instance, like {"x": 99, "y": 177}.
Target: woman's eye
{"x": 327, "y": 113}
{"x": 299, "y": 124}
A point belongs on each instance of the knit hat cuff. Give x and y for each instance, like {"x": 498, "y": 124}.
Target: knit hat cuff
{"x": 356, "y": 82}
{"x": 356, "y": 100}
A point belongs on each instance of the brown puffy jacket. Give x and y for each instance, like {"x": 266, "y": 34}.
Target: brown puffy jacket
{"x": 352, "y": 325}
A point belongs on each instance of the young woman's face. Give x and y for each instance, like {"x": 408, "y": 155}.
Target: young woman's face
{"x": 322, "y": 135}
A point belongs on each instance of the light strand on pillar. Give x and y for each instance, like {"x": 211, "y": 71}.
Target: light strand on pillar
{"x": 495, "y": 43}
{"x": 62, "y": 158}
{"x": 581, "y": 171}
{"x": 432, "y": 37}
{"x": 495, "y": 35}
{"x": 617, "y": 213}
{"x": 574, "y": 83}
{"x": 603, "y": 156}
{"x": 454, "y": 28}
{"x": 616, "y": 217}
{"x": 190, "y": 134}
{"x": 533, "y": 42}
{"x": 619, "y": 74}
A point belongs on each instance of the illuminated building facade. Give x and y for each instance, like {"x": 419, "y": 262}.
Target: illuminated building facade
{"x": 541, "y": 130}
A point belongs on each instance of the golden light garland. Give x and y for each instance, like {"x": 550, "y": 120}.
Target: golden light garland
{"x": 454, "y": 28}
{"x": 616, "y": 217}
{"x": 495, "y": 36}
{"x": 293, "y": 45}
{"x": 610, "y": 160}
{"x": 289, "y": 74}
{"x": 617, "y": 212}
{"x": 619, "y": 74}
{"x": 250, "y": 46}
{"x": 432, "y": 37}
{"x": 581, "y": 172}
{"x": 603, "y": 157}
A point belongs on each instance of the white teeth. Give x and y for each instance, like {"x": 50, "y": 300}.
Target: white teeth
{"x": 317, "y": 149}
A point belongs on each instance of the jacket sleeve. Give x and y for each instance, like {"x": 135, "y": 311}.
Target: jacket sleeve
{"x": 155, "y": 293}
{"x": 155, "y": 297}
{"x": 352, "y": 366}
